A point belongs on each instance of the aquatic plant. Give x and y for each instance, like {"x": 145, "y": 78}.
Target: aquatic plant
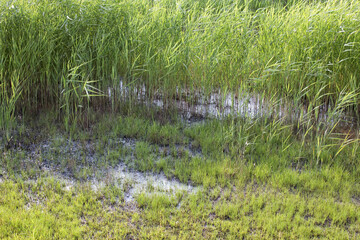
{"x": 58, "y": 49}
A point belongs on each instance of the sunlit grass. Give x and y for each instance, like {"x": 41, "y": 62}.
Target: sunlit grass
{"x": 256, "y": 179}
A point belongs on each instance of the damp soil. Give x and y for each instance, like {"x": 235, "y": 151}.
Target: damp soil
{"x": 77, "y": 163}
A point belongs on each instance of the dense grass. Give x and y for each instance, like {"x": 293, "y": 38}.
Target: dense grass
{"x": 259, "y": 214}
{"x": 59, "y": 54}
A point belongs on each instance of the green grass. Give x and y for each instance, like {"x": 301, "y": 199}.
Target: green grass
{"x": 257, "y": 180}
{"x": 261, "y": 178}
{"x": 253, "y": 212}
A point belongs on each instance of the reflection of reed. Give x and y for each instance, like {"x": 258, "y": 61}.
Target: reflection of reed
{"x": 243, "y": 104}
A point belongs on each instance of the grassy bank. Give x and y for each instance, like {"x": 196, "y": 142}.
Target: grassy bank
{"x": 256, "y": 180}
{"x": 60, "y": 54}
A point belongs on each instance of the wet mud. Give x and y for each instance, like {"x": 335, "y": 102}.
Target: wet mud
{"x": 61, "y": 159}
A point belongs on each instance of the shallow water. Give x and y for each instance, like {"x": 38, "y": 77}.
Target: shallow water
{"x": 197, "y": 106}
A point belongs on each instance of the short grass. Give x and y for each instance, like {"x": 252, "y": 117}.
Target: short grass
{"x": 43, "y": 210}
{"x": 257, "y": 180}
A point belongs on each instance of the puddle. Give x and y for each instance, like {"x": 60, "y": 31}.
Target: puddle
{"x": 215, "y": 105}
{"x": 196, "y": 106}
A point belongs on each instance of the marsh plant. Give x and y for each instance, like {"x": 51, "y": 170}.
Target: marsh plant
{"x": 62, "y": 54}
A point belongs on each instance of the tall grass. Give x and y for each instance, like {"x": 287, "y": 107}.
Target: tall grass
{"x": 277, "y": 47}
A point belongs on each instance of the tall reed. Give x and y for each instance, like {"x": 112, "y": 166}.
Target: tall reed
{"x": 277, "y": 47}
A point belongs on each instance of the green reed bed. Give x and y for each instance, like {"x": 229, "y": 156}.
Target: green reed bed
{"x": 261, "y": 178}
{"x": 61, "y": 54}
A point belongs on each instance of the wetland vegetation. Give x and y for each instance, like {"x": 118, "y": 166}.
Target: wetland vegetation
{"x": 179, "y": 119}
